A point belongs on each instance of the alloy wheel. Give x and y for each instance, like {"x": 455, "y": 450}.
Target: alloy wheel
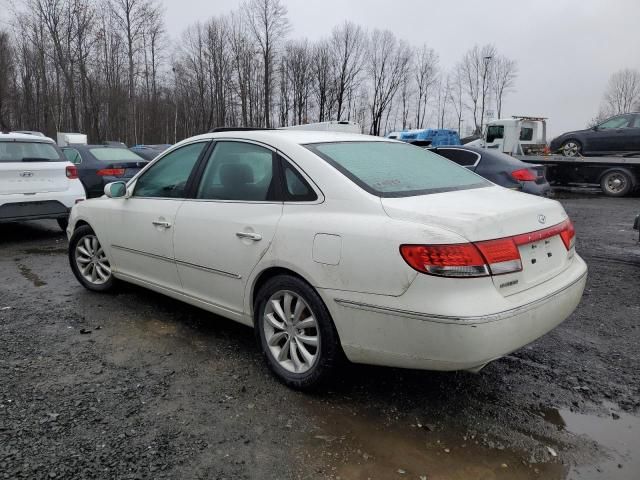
{"x": 91, "y": 260}
{"x": 570, "y": 149}
{"x": 291, "y": 331}
{"x": 616, "y": 183}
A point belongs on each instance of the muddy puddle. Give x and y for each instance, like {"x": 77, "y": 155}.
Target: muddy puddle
{"x": 369, "y": 446}
{"x": 617, "y": 433}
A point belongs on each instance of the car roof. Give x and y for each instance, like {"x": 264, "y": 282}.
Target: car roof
{"x": 24, "y": 137}
{"x": 300, "y": 137}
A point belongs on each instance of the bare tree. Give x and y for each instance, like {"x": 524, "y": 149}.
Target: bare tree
{"x": 426, "y": 75}
{"x": 297, "y": 59}
{"x": 321, "y": 79}
{"x": 623, "y": 92}
{"x": 476, "y": 70}
{"x": 6, "y": 74}
{"x": 456, "y": 95}
{"x": 504, "y": 73}
{"x": 348, "y": 49}
{"x": 387, "y": 63}
{"x": 267, "y": 21}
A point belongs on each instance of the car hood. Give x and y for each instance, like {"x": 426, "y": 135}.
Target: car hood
{"x": 480, "y": 213}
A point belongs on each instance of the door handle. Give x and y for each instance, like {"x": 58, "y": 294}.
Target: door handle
{"x": 251, "y": 236}
{"x": 161, "y": 223}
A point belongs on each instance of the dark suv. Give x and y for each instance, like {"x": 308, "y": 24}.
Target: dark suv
{"x": 616, "y": 135}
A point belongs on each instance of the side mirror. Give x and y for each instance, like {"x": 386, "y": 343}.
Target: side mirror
{"x": 595, "y": 128}
{"x": 115, "y": 189}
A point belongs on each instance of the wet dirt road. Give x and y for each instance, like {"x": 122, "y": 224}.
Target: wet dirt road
{"x": 136, "y": 385}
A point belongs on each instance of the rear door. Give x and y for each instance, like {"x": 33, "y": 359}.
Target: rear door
{"x": 224, "y": 231}
{"x": 31, "y": 167}
{"x": 141, "y": 227}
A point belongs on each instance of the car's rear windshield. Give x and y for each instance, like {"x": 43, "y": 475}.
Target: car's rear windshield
{"x": 115, "y": 154}
{"x": 390, "y": 169}
{"x": 29, "y": 152}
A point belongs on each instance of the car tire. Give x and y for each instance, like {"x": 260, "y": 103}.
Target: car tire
{"x": 89, "y": 262}
{"x": 63, "y": 223}
{"x": 288, "y": 349}
{"x": 571, "y": 148}
{"x": 616, "y": 183}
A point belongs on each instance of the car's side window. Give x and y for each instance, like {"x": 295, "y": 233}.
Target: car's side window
{"x": 636, "y": 122}
{"x": 622, "y": 121}
{"x": 296, "y": 188}
{"x": 239, "y": 171}
{"x": 72, "y": 155}
{"x": 461, "y": 157}
{"x": 167, "y": 178}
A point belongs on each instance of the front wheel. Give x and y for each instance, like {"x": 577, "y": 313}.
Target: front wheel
{"x": 88, "y": 260}
{"x": 295, "y": 332}
{"x": 616, "y": 183}
{"x": 571, "y": 148}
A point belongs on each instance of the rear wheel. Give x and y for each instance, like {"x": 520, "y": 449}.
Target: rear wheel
{"x": 616, "y": 183}
{"x": 88, "y": 260}
{"x": 571, "y": 148}
{"x": 295, "y": 332}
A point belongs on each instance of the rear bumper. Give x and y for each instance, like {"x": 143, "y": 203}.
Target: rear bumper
{"x": 20, "y": 207}
{"x": 374, "y": 333}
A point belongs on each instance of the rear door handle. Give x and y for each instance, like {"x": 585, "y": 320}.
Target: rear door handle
{"x": 251, "y": 236}
{"x": 161, "y": 223}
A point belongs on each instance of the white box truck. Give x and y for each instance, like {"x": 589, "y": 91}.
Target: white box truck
{"x": 65, "y": 139}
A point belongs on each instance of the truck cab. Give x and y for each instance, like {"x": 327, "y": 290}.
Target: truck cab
{"x": 517, "y": 135}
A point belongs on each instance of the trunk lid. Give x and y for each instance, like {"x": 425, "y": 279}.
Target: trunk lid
{"x": 33, "y": 177}
{"x": 491, "y": 213}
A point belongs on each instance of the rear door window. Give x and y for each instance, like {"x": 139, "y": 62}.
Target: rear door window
{"x": 461, "y": 157}
{"x": 72, "y": 155}
{"x": 29, "y": 152}
{"x": 239, "y": 171}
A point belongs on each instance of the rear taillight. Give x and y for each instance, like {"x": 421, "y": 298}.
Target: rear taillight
{"x": 480, "y": 259}
{"x": 72, "y": 172}
{"x": 111, "y": 172}
{"x": 502, "y": 255}
{"x": 457, "y": 260}
{"x": 524, "y": 175}
{"x": 568, "y": 234}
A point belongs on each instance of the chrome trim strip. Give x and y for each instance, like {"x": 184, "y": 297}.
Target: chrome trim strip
{"x": 140, "y": 252}
{"x": 179, "y": 262}
{"x": 208, "y": 269}
{"x": 470, "y": 320}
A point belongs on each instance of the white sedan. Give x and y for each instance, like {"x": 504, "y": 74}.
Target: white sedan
{"x": 335, "y": 244}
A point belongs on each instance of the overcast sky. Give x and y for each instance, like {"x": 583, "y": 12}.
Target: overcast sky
{"x": 566, "y": 49}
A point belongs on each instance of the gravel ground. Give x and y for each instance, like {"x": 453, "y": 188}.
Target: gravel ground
{"x": 136, "y": 385}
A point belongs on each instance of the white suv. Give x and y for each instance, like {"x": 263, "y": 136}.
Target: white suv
{"x": 36, "y": 180}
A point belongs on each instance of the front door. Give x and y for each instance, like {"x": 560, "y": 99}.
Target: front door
{"x": 141, "y": 227}
{"x": 225, "y": 230}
